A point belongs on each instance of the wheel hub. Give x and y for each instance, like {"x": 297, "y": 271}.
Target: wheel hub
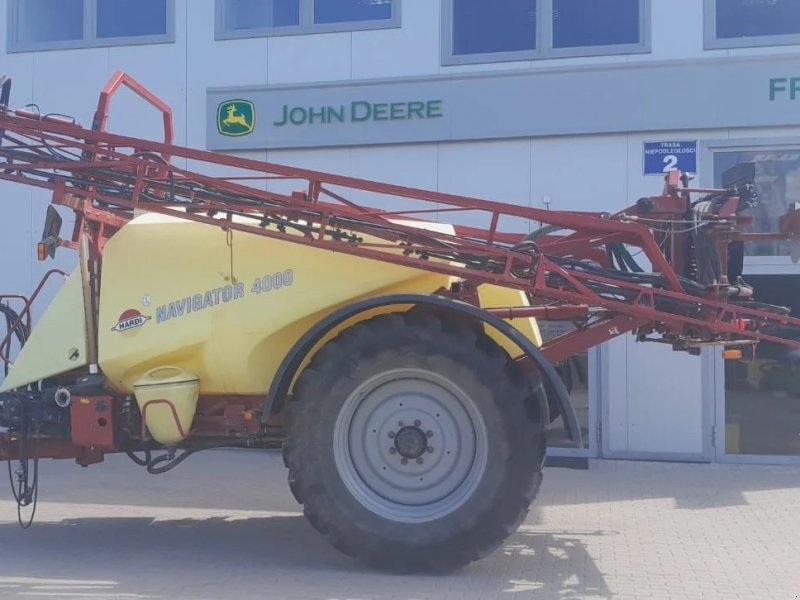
{"x": 410, "y": 445}
{"x": 411, "y": 442}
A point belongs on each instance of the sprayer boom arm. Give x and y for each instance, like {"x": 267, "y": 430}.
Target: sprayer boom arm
{"x": 567, "y": 266}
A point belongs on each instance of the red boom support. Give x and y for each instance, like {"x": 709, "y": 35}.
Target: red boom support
{"x": 566, "y": 266}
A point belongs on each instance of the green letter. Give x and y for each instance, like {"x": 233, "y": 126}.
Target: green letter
{"x": 338, "y": 114}
{"x": 297, "y": 116}
{"x": 434, "y": 109}
{"x": 285, "y": 117}
{"x": 312, "y": 114}
{"x": 774, "y": 87}
{"x": 366, "y": 111}
{"x": 398, "y": 110}
{"x": 380, "y": 112}
{"x": 416, "y": 108}
{"x": 794, "y": 87}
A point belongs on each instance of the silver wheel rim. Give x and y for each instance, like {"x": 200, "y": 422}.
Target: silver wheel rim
{"x": 410, "y": 445}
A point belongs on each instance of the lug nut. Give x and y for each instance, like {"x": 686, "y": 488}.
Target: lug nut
{"x": 404, "y": 461}
{"x": 429, "y": 449}
{"x": 429, "y": 433}
{"x": 420, "y": 460}
{"x": 391, "y": 434}
{"x": 417, "y": 423}
{"x": 392, "y": 450}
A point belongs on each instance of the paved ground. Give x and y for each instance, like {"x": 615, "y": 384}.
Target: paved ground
{"x": 223, "y": 526}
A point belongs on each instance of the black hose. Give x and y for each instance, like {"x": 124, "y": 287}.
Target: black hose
{"x": 13, "y": 321}
{"x": 142, "y": 462}
{"x": 26, "y": 489}
{"x": 170, "y": 460}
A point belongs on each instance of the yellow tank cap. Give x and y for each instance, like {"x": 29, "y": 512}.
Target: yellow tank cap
{"x": 167, "y": 399}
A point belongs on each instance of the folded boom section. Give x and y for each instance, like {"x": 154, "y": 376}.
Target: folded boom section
{"x": 578, "y": 266}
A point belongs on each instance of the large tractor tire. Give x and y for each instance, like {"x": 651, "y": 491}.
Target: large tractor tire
{"x": 415, "y": 444}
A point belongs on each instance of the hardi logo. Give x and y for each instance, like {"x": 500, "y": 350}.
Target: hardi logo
{"x": 130, "y": 319}
{"x": 236, "y": 117}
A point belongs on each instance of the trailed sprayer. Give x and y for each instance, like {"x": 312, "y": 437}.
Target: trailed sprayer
{"x": 393, "y": 354}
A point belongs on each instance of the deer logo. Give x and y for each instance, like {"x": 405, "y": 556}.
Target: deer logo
{"x": 236, "y": 117}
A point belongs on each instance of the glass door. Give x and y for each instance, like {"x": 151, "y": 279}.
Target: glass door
{"x": 758, "y": 401}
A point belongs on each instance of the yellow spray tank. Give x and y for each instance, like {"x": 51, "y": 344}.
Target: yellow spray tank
{"x": 224, "y": 306}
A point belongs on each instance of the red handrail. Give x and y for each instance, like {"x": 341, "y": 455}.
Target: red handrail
{"x": 25, "y": 314}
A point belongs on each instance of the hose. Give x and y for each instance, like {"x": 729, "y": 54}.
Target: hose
{"x": 20, "y": 331}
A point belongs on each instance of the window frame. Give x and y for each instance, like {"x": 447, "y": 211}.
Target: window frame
{"x": 90, "y": 39}
{"x": 712, "y": 42}
{"x": 306, "y": 26}
{"x": 761, "y": 264}
{"x": 544, "y": 40}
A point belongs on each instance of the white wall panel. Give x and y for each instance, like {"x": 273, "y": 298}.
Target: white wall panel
{"x": 763, "y": 132}
{"x": 654, "y": 400}
{"x": 413, "y": 165}
{"x": 677, "y": 31}
{"x": 490, "y": 170}
{"x": 411, "y": 50}
{"x": 129, "y": 113}
{"x": 213, "y": 63}
{"x": 69, "y": 81}
{"x": 310, "y": 58}
{"x": 332, "y": 160}
{"x": 579, "y": 173}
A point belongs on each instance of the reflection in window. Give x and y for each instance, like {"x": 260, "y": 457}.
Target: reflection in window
{"x": 762, "y": 397}
{"x": 344, "y": 11}
{"x": 49, "y": 21}
{"x": 481, "y": 27}
{"x": 261, "y": 14}
{"x": 128, "y": 18}
{"x": 778, "y": 185}
{"x": 579, "y": 23}
{"x": 756, "y": 18}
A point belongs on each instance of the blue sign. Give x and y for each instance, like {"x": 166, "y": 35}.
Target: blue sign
{"x": 662, "y": 157}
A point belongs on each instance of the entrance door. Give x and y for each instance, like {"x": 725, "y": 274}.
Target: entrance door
{"x": 654, "y": 404}
{"x": 758, "y": 402}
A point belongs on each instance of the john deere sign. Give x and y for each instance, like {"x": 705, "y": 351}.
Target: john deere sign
{"x": 359, "y": 112}
{"x": 236, "y": 117}
{"x": 730, "y": 92}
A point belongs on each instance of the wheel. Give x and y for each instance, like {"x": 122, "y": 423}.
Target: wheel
{"x": 415, "y": 444}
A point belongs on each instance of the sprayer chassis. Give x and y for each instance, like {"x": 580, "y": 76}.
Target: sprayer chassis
{"x": 396, "y": 359}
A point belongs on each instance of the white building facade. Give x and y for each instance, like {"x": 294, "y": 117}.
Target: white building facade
{"x": 558, "y": 104}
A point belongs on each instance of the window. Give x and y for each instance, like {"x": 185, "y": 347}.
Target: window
{"x": 62, "y": 24}
{"x": 777, "y": 179}
{"x": 478, "y": 31}
{"x": 258, "y": 18}
{"x": 126, "y": 18}
{"x": 587, "y": 23}
{"x": 261, "y": 14}
{"x": 350, "y": 11}
{"x": 761, "y": 416}
{"x": 739, "y": 23}
{"x": 484, "y": 27}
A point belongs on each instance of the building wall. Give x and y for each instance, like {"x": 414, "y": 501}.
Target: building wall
{"x": 652, "y": 398}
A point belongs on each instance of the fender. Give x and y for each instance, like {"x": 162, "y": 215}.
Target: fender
{"x": 279, "y": 388}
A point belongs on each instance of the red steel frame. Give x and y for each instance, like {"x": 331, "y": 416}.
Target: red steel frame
{"x": 104, "y": 177}
{"x": 25, "y": 316}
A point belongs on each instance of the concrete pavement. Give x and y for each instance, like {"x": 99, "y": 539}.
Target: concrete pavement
{"x": 224, "y": 526}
